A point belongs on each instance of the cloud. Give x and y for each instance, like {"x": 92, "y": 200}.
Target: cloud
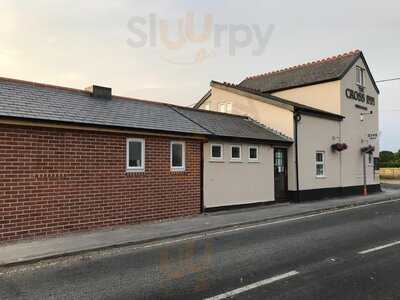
{"x": 85, "y": 42}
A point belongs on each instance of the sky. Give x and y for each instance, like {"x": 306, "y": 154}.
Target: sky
{"x": 150, "y": 50}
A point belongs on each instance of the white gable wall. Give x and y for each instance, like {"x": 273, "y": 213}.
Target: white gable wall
{"x": 355, "y": 133}
{"x": 324, "y": 96}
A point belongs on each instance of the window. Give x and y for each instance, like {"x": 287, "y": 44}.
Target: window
{"x": 253, "y": 153}
{"x": 320, "y": 164}
{"x": 216, "y": 152}
{"x": 135, "y": 154}
{"x": 207, "y": 106}
{"x": 222, "y": 107}
{"x": 177, "y": 156}
{"x": 360, "y": 76}
{"x": 236, "y": 152}
{"x": 225, "y": 107}
{"x": 229, "y": 108}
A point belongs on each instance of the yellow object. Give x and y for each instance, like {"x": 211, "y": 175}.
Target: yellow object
{"x": 389, "y": 173}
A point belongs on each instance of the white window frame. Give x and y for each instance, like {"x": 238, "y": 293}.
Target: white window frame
{"x": 258, "y": 154}
{"x": 142, "y": 167}
{"x": 320, "y": 163}
{"x": 362, "y": 76}
{"x": 222, "y": 152}
{"x": 240, "y": 153}
{"x": 207, "y": 106}
{"x": 228, "y": 107}
{"x": 183, "y": 167}
{"x": 220, "y": 105}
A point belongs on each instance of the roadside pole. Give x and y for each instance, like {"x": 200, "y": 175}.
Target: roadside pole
{"x": 365, "y": 175}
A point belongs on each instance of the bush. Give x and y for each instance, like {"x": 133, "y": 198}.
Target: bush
{"x": 387, "y": 156}
{"x": 389, "y": 165}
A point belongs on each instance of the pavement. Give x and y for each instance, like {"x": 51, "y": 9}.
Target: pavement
{"x": 78, "y": 243}
{"x": 349, "y": 253}
{"x": 390, "y": 184}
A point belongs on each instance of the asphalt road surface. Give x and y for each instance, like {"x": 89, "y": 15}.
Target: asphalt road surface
{"x": 350, "y": 254}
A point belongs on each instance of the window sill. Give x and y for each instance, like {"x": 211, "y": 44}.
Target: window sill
{"x": 216, "y": 160}
{"x": 253, "y": 161}
{"x": 135, "y": 171}
{"x": 178, "y": 170}
{"x": 321, "y": 177}
{"x": 235, "y": 161}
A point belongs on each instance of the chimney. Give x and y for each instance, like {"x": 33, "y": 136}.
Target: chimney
{"x": 99, "y": 92}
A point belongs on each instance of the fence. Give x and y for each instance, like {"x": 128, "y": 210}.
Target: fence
{"x": 389, "y": 173}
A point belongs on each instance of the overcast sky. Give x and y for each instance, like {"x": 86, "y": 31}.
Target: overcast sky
{"x": 77, "y": 43}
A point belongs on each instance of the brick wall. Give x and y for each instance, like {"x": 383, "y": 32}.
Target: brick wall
{"x": 54, "y": 181}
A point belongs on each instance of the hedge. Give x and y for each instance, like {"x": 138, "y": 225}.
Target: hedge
{"x": 389, "y": 164}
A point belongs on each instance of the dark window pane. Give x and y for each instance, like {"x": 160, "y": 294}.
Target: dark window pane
{"x": 135, "y": 154}
{"x": 177, "y": 155}
{"x": 320, "y": 170}
{"x": 235, "y": 152}
{"x": 216, "y": 151}
{"x": 253, "y": 153}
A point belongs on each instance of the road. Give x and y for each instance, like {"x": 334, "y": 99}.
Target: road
{"x": 328, "y": 256}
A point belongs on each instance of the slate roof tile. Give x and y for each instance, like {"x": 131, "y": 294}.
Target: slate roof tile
{"x": 309, "y": 73}
{"x": 28, "y": 100}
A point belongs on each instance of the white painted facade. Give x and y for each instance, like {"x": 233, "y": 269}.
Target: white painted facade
{"x": 359, "y": 128}
{"x": 230, "y": 182}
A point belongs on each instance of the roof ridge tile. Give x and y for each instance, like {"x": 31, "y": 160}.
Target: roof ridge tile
{"x": 330, "y": 58}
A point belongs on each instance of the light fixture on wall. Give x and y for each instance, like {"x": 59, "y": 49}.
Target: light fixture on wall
{"x": 363, "y": 114}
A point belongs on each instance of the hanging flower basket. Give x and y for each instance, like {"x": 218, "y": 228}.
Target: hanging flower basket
{"x": 339, "y": 147}
{"x": 368, "y": 149}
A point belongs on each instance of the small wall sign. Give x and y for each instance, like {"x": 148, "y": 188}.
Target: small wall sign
{"x": 360, "y": 97}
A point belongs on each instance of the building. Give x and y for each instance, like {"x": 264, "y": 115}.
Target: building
{"x": 237, "y": 159}
{"x": 84, "y": 159}
{"x": 329, "y": 108}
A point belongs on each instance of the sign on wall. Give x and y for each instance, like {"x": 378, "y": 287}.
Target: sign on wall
{"x": 360, "y": 97}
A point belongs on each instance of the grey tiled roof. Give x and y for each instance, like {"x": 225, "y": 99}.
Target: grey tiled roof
{"x": 323, "y": 70}
{"x": 232, "y": 126}
{"x": 27, "y": 100}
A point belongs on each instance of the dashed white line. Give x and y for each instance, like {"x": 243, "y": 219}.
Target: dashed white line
{"x": 253, "y": 286}
{"x": 379, "y": 248}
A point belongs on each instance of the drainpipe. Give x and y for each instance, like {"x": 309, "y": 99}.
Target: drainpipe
{"x": 365, "y": 175}
{"x": 297, "y": 119}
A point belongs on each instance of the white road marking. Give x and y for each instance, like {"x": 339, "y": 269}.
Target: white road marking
{"x": 240, "y": 228}
{"x": 379, "y": 248}
{"x": 253, "y": 286}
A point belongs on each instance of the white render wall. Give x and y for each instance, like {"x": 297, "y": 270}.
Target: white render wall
{"x": 281, "y": 119}
{"x": 355, "y": 133}
{"x": 317, "y": 134}
{"x": 236, "y": 183}
{"x": 343, "y": 169}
